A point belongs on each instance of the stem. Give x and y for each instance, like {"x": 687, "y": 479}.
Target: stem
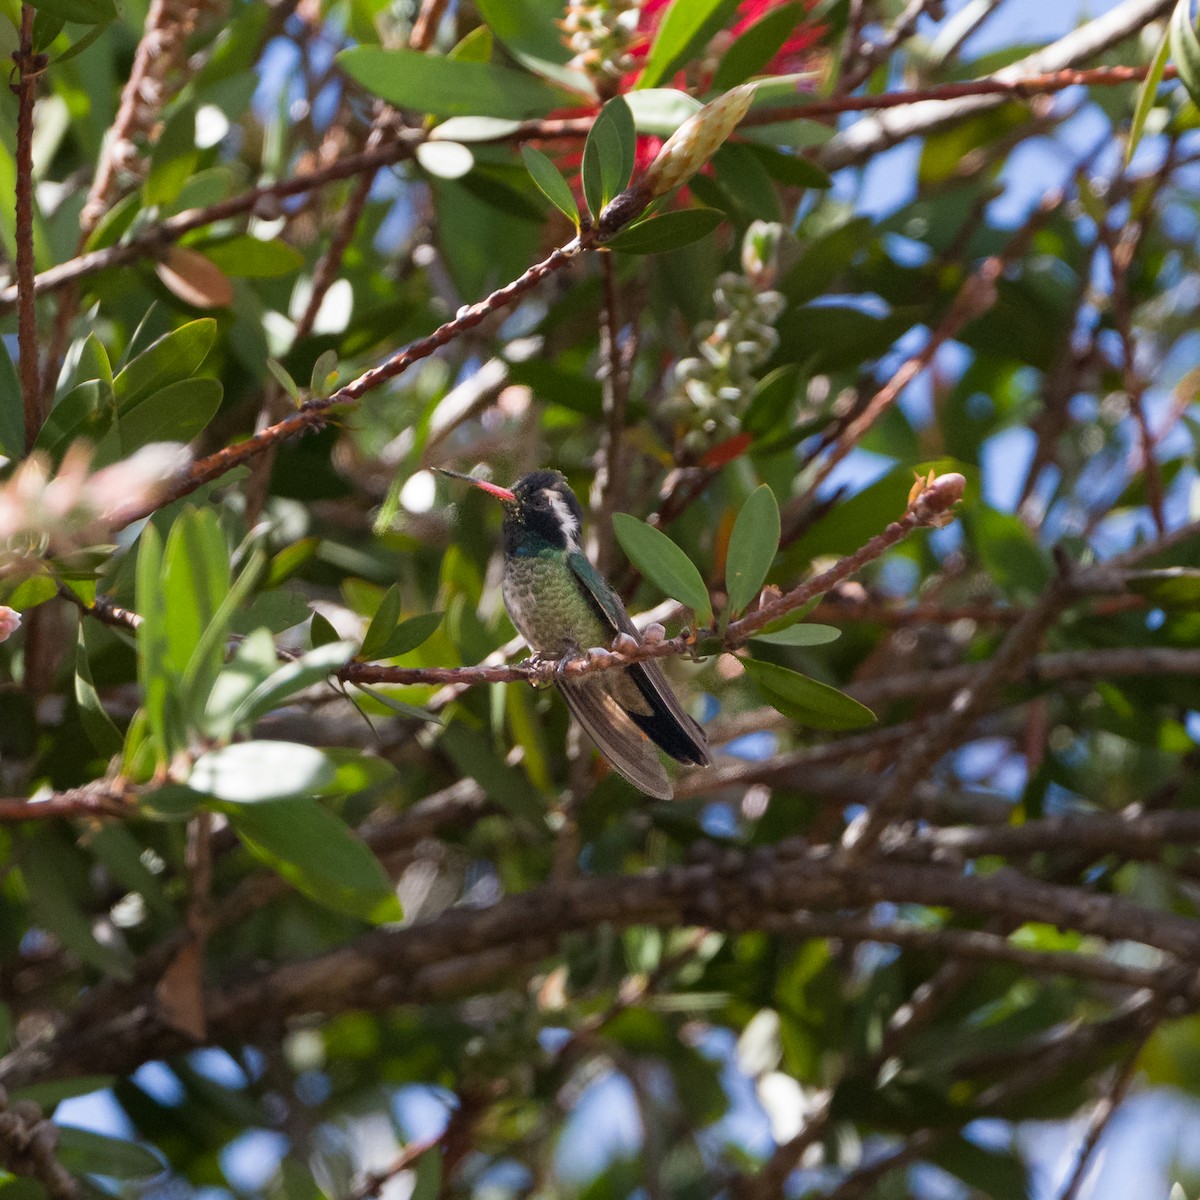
{"x": 27, "y": 73}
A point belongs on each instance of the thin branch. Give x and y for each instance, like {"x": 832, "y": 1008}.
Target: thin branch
{"x": 871, "y": 54}
{"x": 314, "y": 414}
{"x": 102, "y": 799}
{"x": 29, "y": 66}
{"x": 606, "y": 488}
{"x": 1102, "y": 1115}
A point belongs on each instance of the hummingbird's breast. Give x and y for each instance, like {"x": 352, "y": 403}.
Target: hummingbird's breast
{"x": 548, "y": 607}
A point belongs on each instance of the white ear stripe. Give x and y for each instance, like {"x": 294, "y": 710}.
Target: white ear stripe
{"x": 566, "y": 518}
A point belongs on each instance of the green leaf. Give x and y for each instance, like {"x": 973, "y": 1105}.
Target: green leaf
{"x": 275, "y": 611}
{"x": 427, "y": 1170}
{"x": 800, "y": 635}
{"x": 86, "y": 1152}
{"x": 382, "y": 623}
{"x": 664, "y": 564}
{"x": 1185, "y": 49}
{"x": 770, "y": 401}
{"x": 321, "y": 632}
{"x": 398, "y": 706}
{"x": 324, "y": 373}
{"x": 757, "y": 46}
{"x": 527, "y": 27}
{"x": 997, "y": 1173}
{"x": 54, "y": 1091}
{"x": 1148, "y": 93}
{"x": 752, "y": 547}
{"x": 195, "y": 581}
{"x": 1170, "y": 587}
{"x": 254, "y": 772}
{"x": 309, "y": 668}
{"x": 447, "y": 87}
{"x": 806, "y": 700}
{"x": 792, "y": 169}
{"x": 410, "y": 634}
{"x": 472, "y": 754}
{"x": 291, "y": 559}
{"x": 318, "y": 854}
{"x": 88, "y": 411}
{"x": 175, "y": 355}
{"x": 173, "y": 157}
{"x": 153, "y": 638}
{"x": 252, "y": 664}
{"x": 177, "y": 413}
{"x": 46, "y": 866}
{"x": 668, "y": 232}
{"x": 12, "y": 412}
{"x": 661, "y": 111}
{"x": 608, "y": 155}
{"x": 97, "y": 724}
{"x": 84, "y": 12}
{"x": 247, "y": 257}
{"x": 31, "y": 592}
{"x": 550, "y": 182}
{"x": 476, "y": 46}
{"x": 198, "y": 677}
{"x": 686, "y": 26}
{"x": 445, "y": 159}
{"x": 78, "y": 47}
{"x": 45, "y": 29}
{"x": 285, "y": 381}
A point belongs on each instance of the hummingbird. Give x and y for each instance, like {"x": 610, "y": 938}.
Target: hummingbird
{"x": 562, "y": 606}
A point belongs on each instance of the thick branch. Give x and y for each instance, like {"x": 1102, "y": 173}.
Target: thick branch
{"x": 475, "y": 948}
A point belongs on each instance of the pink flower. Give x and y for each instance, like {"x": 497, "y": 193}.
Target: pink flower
{"x": 127, "y": 487}
{"x": 10, "y": 622}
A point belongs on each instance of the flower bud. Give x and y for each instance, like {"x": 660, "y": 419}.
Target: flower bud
{"x": 10, "y": 621}
{"x": 696, "y": 141}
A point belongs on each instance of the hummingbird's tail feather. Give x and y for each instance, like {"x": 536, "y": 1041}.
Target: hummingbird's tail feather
{"x": 615, "y": 735}
{"x": 667, "y": 723}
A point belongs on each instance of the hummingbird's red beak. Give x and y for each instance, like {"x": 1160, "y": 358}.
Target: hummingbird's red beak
{"x": 492, "y": 489}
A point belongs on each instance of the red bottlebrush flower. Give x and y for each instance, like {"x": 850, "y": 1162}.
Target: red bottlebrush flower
{"x": 789, "y": 59}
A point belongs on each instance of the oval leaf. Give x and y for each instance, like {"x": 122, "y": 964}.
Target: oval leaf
{"x": 806, "y": 700}
{"x": 608, "y": 154}
{"x": 757, "y": 46}
{"x": 752, "y": 548}
{"x": 253, "y": 772}
{"x": 664, "y": 564}
{"x": 448, "y": 87}
{"x": 686, "y": 26}
{"x": 550, "y": 182}
{"x": 800, "y": 635}
{"x": 1185, "y": 48}
{"x": 89, "y": 1153}
{"x": 668, "y": 232}
{"x": 190, "y": 277}
{"x": 319, "y": 855}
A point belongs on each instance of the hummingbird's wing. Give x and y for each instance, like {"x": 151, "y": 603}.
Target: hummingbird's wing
{"x": 603, "y": 719}
{"x": 665, "y": 723}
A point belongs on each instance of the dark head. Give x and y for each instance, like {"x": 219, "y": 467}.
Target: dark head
{"x": 538, "y": 508}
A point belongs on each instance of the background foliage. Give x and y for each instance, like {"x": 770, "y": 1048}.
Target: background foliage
{"x": 298, "y": 897}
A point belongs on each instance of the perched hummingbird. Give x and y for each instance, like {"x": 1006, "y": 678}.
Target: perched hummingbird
{"x": 562, "y": 605}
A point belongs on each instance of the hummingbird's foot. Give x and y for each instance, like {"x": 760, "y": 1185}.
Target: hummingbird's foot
{"x": 653, "y": 634}
{"x": 537, "y": 665}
